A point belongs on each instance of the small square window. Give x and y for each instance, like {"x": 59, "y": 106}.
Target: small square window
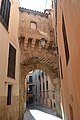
{"x": 33, "y": 25}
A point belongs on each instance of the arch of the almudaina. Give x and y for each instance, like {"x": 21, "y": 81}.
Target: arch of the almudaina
{"x": 33, "y": 56}
{"x": 31, "y": 60}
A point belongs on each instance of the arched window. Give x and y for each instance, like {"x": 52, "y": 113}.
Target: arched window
{"x": 33, "y": 25}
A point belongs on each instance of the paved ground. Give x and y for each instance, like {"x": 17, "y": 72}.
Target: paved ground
{"x": 40, "y": 113}
{"x": 28, "y": 116}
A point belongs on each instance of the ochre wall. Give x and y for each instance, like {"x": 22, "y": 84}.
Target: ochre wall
{"x": 10, "y": 112}
{"x": 70, "y": 84}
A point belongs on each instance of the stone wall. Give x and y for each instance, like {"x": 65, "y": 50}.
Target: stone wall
{"x": 32, "y": 55}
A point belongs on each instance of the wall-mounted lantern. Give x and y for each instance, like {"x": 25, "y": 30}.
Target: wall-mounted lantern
{"x": 43, "y": 42}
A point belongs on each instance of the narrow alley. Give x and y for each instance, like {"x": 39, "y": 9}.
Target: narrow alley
{"x": 40, "y": 113}
{"x": 39, "y": 60}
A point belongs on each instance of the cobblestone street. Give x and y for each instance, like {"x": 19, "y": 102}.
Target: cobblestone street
{"x": 40, "y": 113}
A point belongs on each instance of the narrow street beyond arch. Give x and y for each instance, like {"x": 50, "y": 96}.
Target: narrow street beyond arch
{"x": 38, "y": 113}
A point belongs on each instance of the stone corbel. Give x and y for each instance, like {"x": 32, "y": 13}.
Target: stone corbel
{"x": 33, "y": 44}
{"x": 25, "y": 43}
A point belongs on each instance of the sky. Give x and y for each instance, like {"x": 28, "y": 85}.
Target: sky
{"x": 38, "y": 5}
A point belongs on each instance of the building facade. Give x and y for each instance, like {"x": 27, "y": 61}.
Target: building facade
{"x": 68, "y": 35}
{"x": 47, "y": 92}
{"x": 40, "y": 90}
{"x": 30, "y": 88}
{"x": 9, "y": 59}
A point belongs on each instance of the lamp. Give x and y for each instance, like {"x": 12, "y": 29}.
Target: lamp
{"x": 52, "y": 48}
{"x": 43, "y": 42}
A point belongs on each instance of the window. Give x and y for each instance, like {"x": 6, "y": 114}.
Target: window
{"x": 9, "y": 95}
{"x": 65, "y": 41}
{"x": 40, "y": 88}
{"x": 61, "y": 69}
{"x": 43, "y": 86}
{"x": 11, "y": 61}
{"x": 51, "y": 103}
{"x": 53, "y": 96}
{"x": 54, "y": 105}
{"x": 47, "y": 85}
{"x": 30, "y": 79}
{"x": 30, "y": 89}
{"x": 39, "y": 78}
{"x": 33, "y": 25}
{"x": 5, "y": 12}
{"x": 43, "y": 75}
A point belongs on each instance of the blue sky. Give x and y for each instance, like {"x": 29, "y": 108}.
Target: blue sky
{"x": 38, "y": 5}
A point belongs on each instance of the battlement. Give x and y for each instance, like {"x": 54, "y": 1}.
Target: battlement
{"x": 34, "y": 12}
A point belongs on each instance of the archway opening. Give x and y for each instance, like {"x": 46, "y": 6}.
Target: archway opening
{"x": 41, "y": 89}
{"x": 48, "y": 66}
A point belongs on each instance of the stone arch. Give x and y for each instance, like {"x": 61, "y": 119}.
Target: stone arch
{"x": 46, "y": 64}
